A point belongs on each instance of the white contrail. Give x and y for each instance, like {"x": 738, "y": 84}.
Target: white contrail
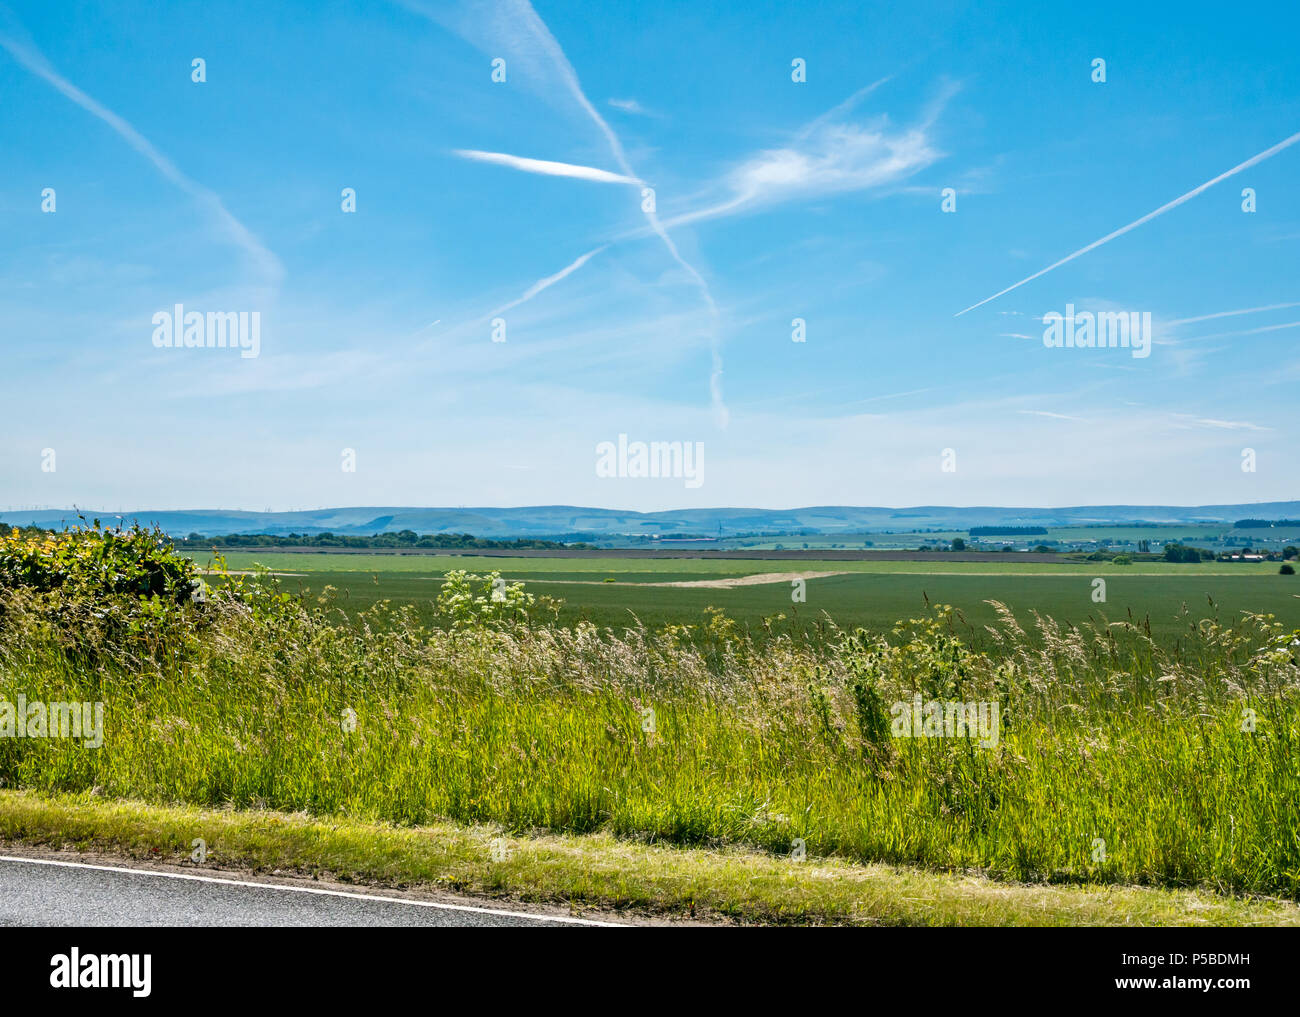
{"x": 549, "y": 281}
{"x": 546, "y": 40}
{"x": 546, "y": 167}
{"x": 513, "y": 24}
{"x": 840, "y": 109}
{"x": 35, "y": 62}
{"x": 1248, "y": 331}
{"x": 1266, "y": 154}
{"x": 1233, "y": 314}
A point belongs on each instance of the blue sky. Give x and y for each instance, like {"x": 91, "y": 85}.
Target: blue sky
{"x": 774, "y": 200}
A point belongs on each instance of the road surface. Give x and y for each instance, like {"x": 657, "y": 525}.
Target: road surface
{"x": 47, "y": 892}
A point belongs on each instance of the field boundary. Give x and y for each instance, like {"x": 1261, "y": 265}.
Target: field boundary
{"x": 812, "y": 554}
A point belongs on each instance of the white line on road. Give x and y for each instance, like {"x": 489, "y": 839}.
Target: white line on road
{"x": 565, "y": 920}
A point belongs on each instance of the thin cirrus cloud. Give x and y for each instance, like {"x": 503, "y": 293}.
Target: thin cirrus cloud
{"x": 1268, "y": 153}
{"x": 546, "y": 167}
{"x": 829, "y": 155}
{"x": 29, "y": 57}
{"x": 631, "y": 106}
{"x": 1050, "y": 415}
{"x": 1220, "y": 425}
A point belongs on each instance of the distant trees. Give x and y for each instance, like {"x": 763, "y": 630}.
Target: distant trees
{"x": 958, "y": 544}
{"x": 1182, "y": 553}
{"x": 403, "y": 538}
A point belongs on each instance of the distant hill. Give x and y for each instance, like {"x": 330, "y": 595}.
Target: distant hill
{"x": 567, "y": 522}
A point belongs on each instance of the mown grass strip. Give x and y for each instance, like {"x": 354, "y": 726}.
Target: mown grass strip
{"x": 601, "y": 871}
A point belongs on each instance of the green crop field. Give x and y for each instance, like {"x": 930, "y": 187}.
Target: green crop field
{"x": 702, "y": 568}
{"x": 874, "y": 595}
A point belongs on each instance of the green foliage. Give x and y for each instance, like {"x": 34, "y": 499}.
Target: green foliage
{"x": 866, "y": 659}
{"x": 495, "y": 602}
{"x": 1181, "y": 553}
{"x": 104, "y": 590}
{"x": 96, "y": 563}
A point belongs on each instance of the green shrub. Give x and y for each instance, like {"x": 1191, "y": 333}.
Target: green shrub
{"x": 101, "y": 590}
{"x": 96, "y": 564}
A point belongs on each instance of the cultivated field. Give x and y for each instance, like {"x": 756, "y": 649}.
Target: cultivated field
{"x": 872, "y": 594}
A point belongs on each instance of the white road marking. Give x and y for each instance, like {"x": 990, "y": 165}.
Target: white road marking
{"x": 564, "y": 920}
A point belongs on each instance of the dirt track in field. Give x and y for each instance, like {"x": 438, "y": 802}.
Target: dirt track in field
{"x": 758, "y": 579}
{"x": 214, "y": 572}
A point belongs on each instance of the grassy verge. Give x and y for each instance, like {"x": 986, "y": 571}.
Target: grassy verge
{"x": 598, "y": 870}
{"x": 1108, "y": 765}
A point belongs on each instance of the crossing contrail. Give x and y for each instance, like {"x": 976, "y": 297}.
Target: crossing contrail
{"x": 34, "y": 61}
{"x": 1266, "y": 154}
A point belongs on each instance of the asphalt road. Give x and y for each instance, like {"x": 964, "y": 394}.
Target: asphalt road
{"x": 39, "y": 892}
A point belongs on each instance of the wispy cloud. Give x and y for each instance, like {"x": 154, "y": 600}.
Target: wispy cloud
{"x": 286, "y": 372}
{"x": 546, "y": 167}
{"x": 29, "y": 57}
{"x": 829, "y": 155}
{"x": 1226, "y": 425}
{"x": 632, "y": 106}
{"x": 1268, "y": 153}
{"x": 1054, "y": 416}
{"x": 547, "y": 282}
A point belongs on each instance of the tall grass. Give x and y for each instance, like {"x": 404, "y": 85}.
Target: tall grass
{"x": 1118, "y": 760}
